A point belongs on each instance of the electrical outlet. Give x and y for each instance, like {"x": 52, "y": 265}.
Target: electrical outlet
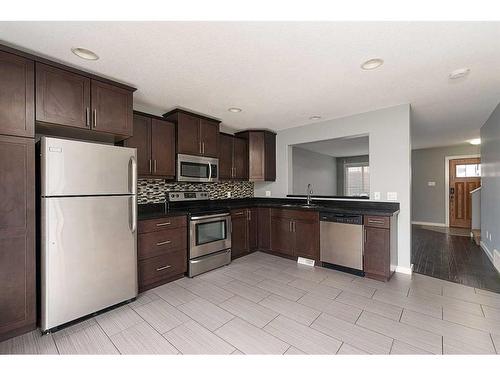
{"x": 392, "y": 196}
{"x": 376, "y": 195}
{"x": 268, "y": 193}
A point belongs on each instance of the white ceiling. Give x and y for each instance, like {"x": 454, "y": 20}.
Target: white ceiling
{"x": 339, "y": 147}
{"x": 281, "y": 73}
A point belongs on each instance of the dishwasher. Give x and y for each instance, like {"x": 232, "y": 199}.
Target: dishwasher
{"x": 341, "y": 241}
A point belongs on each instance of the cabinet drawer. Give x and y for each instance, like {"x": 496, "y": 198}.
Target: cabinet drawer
{"x": 377, "y": 221}
{"x": 295, "y": 214}
{"x": 154, "y": 225}
{"x": 162, "y": 267}
{"x": 160, "y": 242}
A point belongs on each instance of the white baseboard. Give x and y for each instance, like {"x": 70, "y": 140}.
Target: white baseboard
{"x": 405, "y": 270}
{"x": 428, "y": 223}
{"x": 488, "y": 254}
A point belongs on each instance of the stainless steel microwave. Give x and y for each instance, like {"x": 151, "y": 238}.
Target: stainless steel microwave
{"x": 197, "y": 168}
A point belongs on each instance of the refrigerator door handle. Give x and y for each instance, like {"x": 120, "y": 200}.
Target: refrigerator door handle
{"x": 133, "y": 175}
{"x": 133, "y": 213}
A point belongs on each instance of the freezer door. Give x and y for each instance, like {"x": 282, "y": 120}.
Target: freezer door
{"x": 88, "y": 256}
{"x": 83, "y": 168}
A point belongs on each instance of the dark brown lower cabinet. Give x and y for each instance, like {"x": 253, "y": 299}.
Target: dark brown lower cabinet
{"x": 161, "y": 251}
{"x": 264, "y": 228}
{"x": 380, "y": 247}
{"x": 239, "y": 233}
{"x": 17, "y": 236}
{"x": 295, "y": 233}
{"x": 253, "y": 229}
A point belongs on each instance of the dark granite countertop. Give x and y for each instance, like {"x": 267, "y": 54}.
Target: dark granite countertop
{"x": 362, "y": 207}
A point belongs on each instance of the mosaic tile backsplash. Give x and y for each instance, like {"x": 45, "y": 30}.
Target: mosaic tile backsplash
{"x": 153, "y": 190}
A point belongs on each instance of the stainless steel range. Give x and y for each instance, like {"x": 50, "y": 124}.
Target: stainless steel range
{"x": 209, "y": 233}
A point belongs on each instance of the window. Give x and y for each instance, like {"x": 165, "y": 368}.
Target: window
{"x": 468, "y": 170}
{"x": 357, "y": 179}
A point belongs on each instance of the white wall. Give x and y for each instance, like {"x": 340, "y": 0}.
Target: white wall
{"x": 316, "y": 169}
{"x": 490, "y": 181}
{"x": 390, "y": 159}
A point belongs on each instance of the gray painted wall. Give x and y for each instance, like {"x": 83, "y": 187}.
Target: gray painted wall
{"x": 340, "y": 169}
{"x": 428, "y": 202}
{"x": 390, "y": 159}
{"x": 313, "y": 168}
{"x": 490, "y": 192}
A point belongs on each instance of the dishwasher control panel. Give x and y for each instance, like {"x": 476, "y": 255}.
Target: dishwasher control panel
{"x": 341, "y": 218}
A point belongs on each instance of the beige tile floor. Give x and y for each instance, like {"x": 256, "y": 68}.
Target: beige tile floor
{"x": 262, "y": 304}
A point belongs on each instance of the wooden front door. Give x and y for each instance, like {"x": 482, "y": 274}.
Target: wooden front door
{"x": 464, "y": 177}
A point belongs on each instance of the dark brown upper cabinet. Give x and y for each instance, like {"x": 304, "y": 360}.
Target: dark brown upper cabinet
{"x": 17, "y": 88}
{"x": 62, "y": 97}
{"x": 154, "y": 139}
{"x": 111, "y": 109}
{"x": 261, "y": 154}
{"x": 196, "y": 134}
{"x": 17, "y": 236}
{"x": 233, "y": 157}
{"x": 77, "y": 101}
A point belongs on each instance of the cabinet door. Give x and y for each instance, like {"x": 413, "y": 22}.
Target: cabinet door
{"x": 239, "y": 233}
{"x": 188, "y": 135}
{"x": 142, "y": 141}
{"x": 253, "y": 229}
{"x": 17, "y": 236}
{"x": 256, "y": 156}
{"x": 62, "y": 97}
{"x": 209, "y": 134}
{"x": 16, "y": 95}
{"x": 282, "y": 237}
{"x": 240, "y": 159}
{"x": 226, "y": 157}
{"x": 306, "y": 239}
{"x": 264, "y": 232}
{"x": 270, "y": 156}
{"x": 163, "y": 148}
{"x": 111, "y": 109}
{"x": 376, "y": 252}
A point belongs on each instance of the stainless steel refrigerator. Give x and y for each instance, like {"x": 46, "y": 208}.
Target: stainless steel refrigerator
{"x": 88, "y": 228}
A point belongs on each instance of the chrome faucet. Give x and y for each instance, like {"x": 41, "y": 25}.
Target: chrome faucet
{"x": 309, "y": 192}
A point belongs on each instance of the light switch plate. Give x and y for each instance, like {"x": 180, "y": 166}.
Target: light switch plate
{"x": 392, "y": 196}
{"x": 376, "y": 195}
{"x": 268, "y": 193}
{"x": 431, "y": 183}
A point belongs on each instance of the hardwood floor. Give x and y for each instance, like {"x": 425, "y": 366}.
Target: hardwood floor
{"x": 452, "y": 257}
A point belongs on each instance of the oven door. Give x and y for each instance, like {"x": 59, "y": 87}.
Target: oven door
{"x": 197, "y": 168}
{"x": 209, "y": 234}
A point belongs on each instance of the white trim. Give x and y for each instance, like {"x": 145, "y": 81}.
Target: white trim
{"x": 489, "y": 255}
{"x": 405, "y": 270}
{"x": 447, "y": 183}
{"x": 430, "y": 224}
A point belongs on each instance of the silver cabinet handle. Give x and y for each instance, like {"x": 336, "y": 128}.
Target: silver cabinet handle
{"x": 376, "y": 221}
{"x": 154, "y": 163}
{"x": 239, "y": 213}
{"x": 163, "y": 224}
{"x": 290, "y": 226}
{"x": 365, "y": 235}
{"x": 87, "y": 117}
{"x": 203, "y": 147}
{"x": 163, "y": 243}
{"x": 95, "y": 118}
{"x": 163, "y": 268}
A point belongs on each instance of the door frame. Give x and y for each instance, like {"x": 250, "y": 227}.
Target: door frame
{"x": 447, "y": 182}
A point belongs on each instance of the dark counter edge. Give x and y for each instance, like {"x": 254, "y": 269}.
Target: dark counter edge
{"x": 156, "y": 210}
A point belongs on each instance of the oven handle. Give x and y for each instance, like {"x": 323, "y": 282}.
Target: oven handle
{"x": 194, "y": 218}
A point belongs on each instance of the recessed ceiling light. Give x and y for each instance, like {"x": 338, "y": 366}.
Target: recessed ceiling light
{"x": 315, "y": 118}
{"x": 459, "y": 73}
{"x": 85, "y": 53}
{"x": 475, "y": 141}
{"x": 372, "y": 64}
{"x": 234, "y": 110}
